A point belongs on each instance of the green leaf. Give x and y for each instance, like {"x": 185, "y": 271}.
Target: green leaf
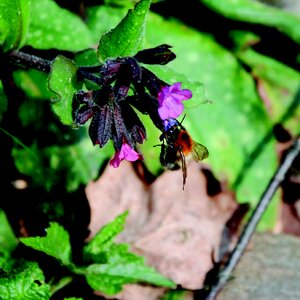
{"x": 54, "y": 27}
{"x": 34, "y": 83}
{"x": 244, "y": 39}
{"x": 63, "y": 82}
{"x": 109, "y": 278}
{"x": 234, "y": 126}
{"x": 56, "y": 243}
{"x": 8, "y": 240}
{"x": 87, "y": 57}
{"x": 3, "y": 101}
{"x": 149, "y": 149}
{"x": 176, "y": 295}
{"x": 14, "y": 22}
{"x": 110, "y": 16}
{"x": 128, "y": 36}
{"x": 282, "y": 94}
{"x": 72, "y": 165}
{"x": 258, "y": 13}
{"x": 80, "y": 162}
{"x": 60, "y": 284}
{"x": 104, "y": 238}
{"x": 118, "y": 266}
{"x": 26, "y": 281}
{"x": 8, "y": 243}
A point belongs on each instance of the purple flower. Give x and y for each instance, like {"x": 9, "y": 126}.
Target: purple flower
{"x": 126, "y": 153}
{"x": 170, "y": 100}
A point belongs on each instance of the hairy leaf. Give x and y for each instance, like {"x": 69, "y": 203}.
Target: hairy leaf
{"x": 110, "y": 16}
{"x": 63, "y": 82}
{"x": 56, "y": 243}
{"x": 258, "y": 13}
{"x": 282, "y": 96}
{"x": 104, "y": 238}
{"x": 113, "y": 265}
{"x": 87, "y": 57}
{"x": 14, "y": 22}
{"x": 26, "y": 281}
{"x": 109, "y": 278}
{"x": 58, "y": 28}
{"x": 128, "y": 36}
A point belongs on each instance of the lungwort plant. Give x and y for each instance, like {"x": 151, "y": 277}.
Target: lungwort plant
{"x": 85, "y": 85}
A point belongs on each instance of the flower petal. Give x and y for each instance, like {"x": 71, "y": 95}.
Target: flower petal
{"x": 83, "y": 114}
{"x": 126, "y": 153}
{"x": 178, "y": 93}
{"x": 170, "y": 100}
{"x": 170, "y": 110}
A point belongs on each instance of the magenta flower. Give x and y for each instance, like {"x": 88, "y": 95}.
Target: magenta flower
{"x": 126, "y": 153}
{"x": 170, "y": 100}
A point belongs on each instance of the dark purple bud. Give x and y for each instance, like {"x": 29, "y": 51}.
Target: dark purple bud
{"x": 147, "y": 104}
{"x": 159, "y": 55}
{"x": 84, "y": 97}
{"x": 134, "y": 126}
{"x": 123, "y": 82}
{"x": 152, "y": 82}
{"x": 131, "y": 68}
{"x": 109, "y": 71}
{"x": 100, "y": 127}
{"x": 83, "y": 107}
{"x": 100, "y": 130}
{"x": 119, "y": 130}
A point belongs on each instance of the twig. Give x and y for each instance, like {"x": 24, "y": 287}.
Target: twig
{"x": 253, "y": 221}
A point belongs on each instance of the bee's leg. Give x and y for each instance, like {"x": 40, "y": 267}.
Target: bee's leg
{"x": 184, "y": 171}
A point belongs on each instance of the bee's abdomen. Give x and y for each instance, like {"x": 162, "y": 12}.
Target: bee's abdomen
{"x": 184, "y": 142}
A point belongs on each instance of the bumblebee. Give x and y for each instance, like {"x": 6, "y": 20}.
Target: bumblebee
{"x": 178, "y": 147}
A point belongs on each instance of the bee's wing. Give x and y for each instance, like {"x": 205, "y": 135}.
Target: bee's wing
{"x": 199, "y": 152}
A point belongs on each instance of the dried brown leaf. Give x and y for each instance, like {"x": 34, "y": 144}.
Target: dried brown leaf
{"x": 178, "y": 231}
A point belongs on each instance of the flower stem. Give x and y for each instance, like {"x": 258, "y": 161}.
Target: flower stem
{"x": 28, "y": 61}
{"x": 84, "y": 74}
{"x": 250, "y": 227}
{"x": 25, "y": 60}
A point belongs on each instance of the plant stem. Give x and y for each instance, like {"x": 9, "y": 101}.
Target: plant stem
{"x": 89, "y": 76}
{"x": 28, "y": 61}
{"x": 25, "y": 60}
{"x": 250, "y": 227}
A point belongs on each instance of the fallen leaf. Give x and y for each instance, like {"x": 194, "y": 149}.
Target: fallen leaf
{"x": 179, "y": 232}
{"x": 116, "y": 191}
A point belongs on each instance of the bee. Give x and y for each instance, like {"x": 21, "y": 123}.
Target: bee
{"x": 178, "y": 147}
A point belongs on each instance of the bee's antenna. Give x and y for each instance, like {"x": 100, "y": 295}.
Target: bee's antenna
{"x": 182, "y": 119}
